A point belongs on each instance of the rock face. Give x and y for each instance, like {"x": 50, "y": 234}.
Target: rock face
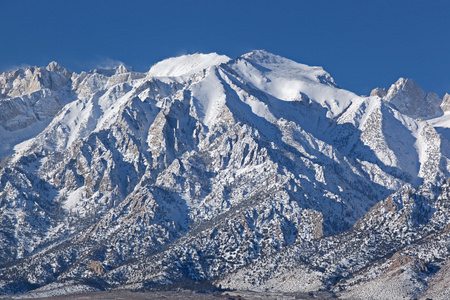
{"x": 406, "y": 96}
{"x": 430, "y": 106}
{"x": 29, "y": 100}
{"x": 207, "y": 167}
{"x": 393, "y": 252}
{"x": 378, "y": 92}
{"x": 445, "y": 106}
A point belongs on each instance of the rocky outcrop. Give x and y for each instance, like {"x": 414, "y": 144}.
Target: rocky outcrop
{"x": 406, "y": 96}
{"x": 32, "y": 79}
{"x": 380, "y": 92}
{"x": 445, "y": 106}
{"x": 430, "y": 106}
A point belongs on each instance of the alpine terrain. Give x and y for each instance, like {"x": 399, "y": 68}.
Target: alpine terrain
{"x": 255, "y": 173}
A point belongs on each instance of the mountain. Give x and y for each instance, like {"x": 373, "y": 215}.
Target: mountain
{"x": 245, "y": 173}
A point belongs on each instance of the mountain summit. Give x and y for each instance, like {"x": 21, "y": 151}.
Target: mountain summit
{"x": 186, "y": 65}
{"x": 250, "y": 173}
{"x": 409, "y": 99}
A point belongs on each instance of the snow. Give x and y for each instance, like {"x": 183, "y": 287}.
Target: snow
{"x": 109, "y": 107}
{"x": 57, "y": 289}
{"x": 74, "y": 198}
{"x": 71, "y": 122}
{"x": 185, "y": 65}
{"x": 420, "y": 144}
{"x": 441, "y": 124}
{"x": 287, "y": 80}
{"x": 441, "y": 121}
{"x": 257, "y": 106}
{"x": 209, "y": 97}
{"x": 360, "y": 111}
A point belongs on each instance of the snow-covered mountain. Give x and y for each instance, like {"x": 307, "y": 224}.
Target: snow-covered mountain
{"x": 247, "y": 173}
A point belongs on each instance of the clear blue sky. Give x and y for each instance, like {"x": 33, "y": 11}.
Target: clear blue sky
{"x": 362, "y": 44}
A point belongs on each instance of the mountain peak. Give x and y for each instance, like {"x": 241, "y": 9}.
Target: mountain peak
{"x": 122, "y": 68}
{"x": 265, "y": 58}
{"x": 445, "y": 106}
{"x": 286, "y": 67}
{"x": 261, "y": 55}
{"x": 407, "y": 97}
{"x": 186, "y": 64}
{"x": 54, "y": 66}
{"x": 407, "y": 85}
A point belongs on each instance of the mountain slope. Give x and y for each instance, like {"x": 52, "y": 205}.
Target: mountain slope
{"x": 200, "y": 167}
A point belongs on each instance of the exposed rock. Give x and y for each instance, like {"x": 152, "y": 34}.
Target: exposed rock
{"x": 380, "y": 92}
{"x": 406, "y": 96}
{"x": 430, "y": 106}
{"x": 445, "y": 106}
{"x": 96, "y": 267}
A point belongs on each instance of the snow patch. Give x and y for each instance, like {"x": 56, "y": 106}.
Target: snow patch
{"x": 210, "y": 97}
